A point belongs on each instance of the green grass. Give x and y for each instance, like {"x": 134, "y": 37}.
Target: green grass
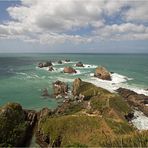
{"x": 72, "y": 128}
{"x": 89, "y": 90}
{"x": 119, "y": 127}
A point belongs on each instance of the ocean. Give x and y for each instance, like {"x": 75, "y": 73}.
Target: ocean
{"x": 22, "y": 81}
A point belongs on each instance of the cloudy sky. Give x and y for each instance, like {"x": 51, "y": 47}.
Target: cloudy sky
{"x": 74, "y": 26}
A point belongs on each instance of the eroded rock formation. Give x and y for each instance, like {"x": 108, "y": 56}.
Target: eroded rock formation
{"x": 102, "y": 73}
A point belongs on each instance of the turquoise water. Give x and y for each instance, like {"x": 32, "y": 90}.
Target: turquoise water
{"x": 21, "y": 81}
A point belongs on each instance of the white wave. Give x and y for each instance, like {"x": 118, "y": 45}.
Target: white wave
{"x": 21, "y": 73}
{"x": 89, "y": 66}
{"x": 78, "y": 72}
{"x": 117, "y": 78}
{"x": 65, "y": 79}
{"x": 69, "y": 62}
{"x": 116, "y": 82}
{"x": 140, "y": 121}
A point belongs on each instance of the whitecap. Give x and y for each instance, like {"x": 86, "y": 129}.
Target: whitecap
{"x": 21, "y": 73}
{"x": 86, "y": 66}
{"x": 69, "y": 62}
{"x": 140, "y": 121}
{"x": 89, "y": 66}
{"x": 115, "y": 83}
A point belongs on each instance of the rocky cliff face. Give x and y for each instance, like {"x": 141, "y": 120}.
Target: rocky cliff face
{"x": 102, "y": 73}
{"x": 60, "y": 88}
{"x": 76, "y": 86}
{"x": 134, "y": 99}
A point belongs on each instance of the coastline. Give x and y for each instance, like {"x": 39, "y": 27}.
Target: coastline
{"x": 84, "y": 98}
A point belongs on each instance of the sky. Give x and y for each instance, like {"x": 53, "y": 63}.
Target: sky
{"x": 73, "y": 26}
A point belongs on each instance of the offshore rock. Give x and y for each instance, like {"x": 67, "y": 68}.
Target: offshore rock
{"x": 60, "y": 88}
{"x": 45, "y": 92}
{"x": 79, "y": 64}
{"x": 59, "y": 62}
{"x": 50, "y": 68}
{"x": 46, "y": 64}
{"x": 102, "y": 73}
{"x": 69, "y": 70}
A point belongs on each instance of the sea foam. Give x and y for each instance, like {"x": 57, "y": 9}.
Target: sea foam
{"x": 140, "y": 121}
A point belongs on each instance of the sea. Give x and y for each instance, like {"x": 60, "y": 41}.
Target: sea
{"x": 21, "y": 80}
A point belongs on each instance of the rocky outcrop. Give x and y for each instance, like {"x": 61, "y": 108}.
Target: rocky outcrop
{"x": 59, "y": 62}
{"x": 76, "y": 86}
{"x": 79, "y": 64}
{"x": 60, "y": 88}
{"x": 134, "y": 99}
{"x": 16, "y": 125}
{"x": 50, "y": 68}
{"x": 69, "y": 70}
{"x": 67, "y": 60}
{"x": 45, "y": 92}
{"x": 102, "y": 73}
{"x": 42, "y": 138}
{"x": 30, "y": 117}
{"x": 40, "y": 65}
{"x": 46, "y": 64}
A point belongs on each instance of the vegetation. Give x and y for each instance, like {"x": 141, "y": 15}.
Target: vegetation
{"x": 102, "y": 124}
{"x": 12, "y": 125}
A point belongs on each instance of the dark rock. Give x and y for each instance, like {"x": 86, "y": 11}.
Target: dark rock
{"x": 47, "y": 64}
{"x": 134, "y": 99}
{"x": 50, "y": 68}
{"x": 59, "y": 62}
{"x": 102, "y": 73}
{"x": 79, "y": 64}
{"x": 16, "y": 125}
{"x": 60, "y": 88}
{"x": 45, "y": 92}
{"x": 40, "y": 65}
{"x": 69, "y": 70}
{"x": 67, "y": 60}
{"x": 129, "y": 116}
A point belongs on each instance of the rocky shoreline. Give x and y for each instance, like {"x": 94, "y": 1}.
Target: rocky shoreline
{"x": 84, "y": 116}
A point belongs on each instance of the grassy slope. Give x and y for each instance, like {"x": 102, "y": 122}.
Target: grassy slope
{"x": 101, "y": 125}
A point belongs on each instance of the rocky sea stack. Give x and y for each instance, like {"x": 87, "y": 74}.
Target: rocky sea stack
{"x": 45, "y": 64}
{"x": 60, "y": 88}
{"x": 102, "y": 73}
{"x": 79, "y": 64}
{"x": 69, "y": 70}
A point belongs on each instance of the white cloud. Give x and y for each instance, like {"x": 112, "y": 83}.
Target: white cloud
{"x": 138, "y": 11}
{"x": 50, "y": 21}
